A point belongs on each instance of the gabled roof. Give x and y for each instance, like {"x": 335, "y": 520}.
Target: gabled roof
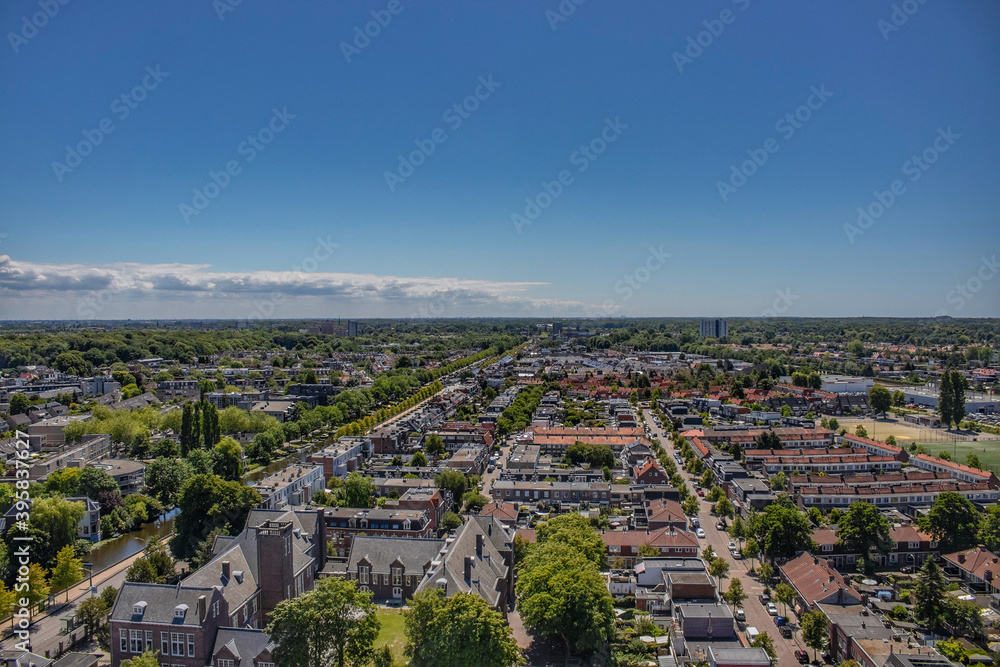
{"x": 160, "y": 602}
{"x": 244, "y": 643}
{"x": 380, "y": 552}
{"x": 815, "y": 581}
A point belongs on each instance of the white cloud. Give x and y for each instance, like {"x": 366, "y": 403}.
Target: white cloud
{"x": 31, "y": 290}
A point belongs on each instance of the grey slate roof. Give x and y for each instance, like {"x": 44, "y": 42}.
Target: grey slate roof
{"x": 161, "y": 600}
{"x": 244, "y": 643}
{"x": 380, "y": 552}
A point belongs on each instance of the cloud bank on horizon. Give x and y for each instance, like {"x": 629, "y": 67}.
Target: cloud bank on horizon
{"x": 155, "y": 291}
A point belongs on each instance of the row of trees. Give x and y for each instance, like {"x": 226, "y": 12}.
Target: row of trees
{"x": 951, "y": 397}
{"x": 336, "y": 624}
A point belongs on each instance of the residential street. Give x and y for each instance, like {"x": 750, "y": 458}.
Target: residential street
{"x": 46, "y": 629}
{"x": 757, "y": 615}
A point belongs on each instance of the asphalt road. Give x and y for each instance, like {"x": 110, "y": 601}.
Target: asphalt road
{"x": 757, "y": 615}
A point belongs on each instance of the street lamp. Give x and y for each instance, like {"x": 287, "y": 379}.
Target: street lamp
{"x": 89, "y": 567}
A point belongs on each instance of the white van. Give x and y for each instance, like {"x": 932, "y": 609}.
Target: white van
{"x": 752, "y": 634}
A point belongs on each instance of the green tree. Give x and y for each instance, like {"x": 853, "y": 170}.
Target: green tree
{"x": 165, "y": 477}
{"x": 879, "y": 398}
{"x": 814, "y": 630}
{"x": 562, "y": 594}
{"x": 208, "y": 502}
{"x": 958, "y": 386}
{"x": 782, "y": 530}
{"x": 419, "y": 460}
{"x": 333, "y": 624}
{"x": 19, "y": 404}
{"x": 93, "y": 612}
{"x": 227, "y": 460}
{"x": 141, "y": 571}
{"x": 435, "y": 445}
{"x": 972, "y": 461}
{"x": 946, "y": 399}
{"x": 67, "y": 571}
{"x": 735, "y": 595}
{"x": 58, "y": 519}
{"x": 147, "y": 659}
{"x": 156, "y": 554}
{"x": 861, "y": 431}
{"x": 766, "y": 573}
{"x": 989, "y": 528}
{"x": 718, "y": 568}
{"x": 457, "y": 630}
{"x": 64, "y": 482}
{"x": 865, "y": 530}
{"x": 928, "y": 595}
{"x": 576, "y": 532}
{"x": 765, "y": 642}
{"x": 953, "y": 649}
{"x": 38, "y": 586}
{"x": 898, "y": 399}
{"x": 358, "y": 490}
{"x": 953, "y": 521}
{"x": 751, "y": 550}
{"x": 73, "y": 363}
{"x": 691, "y": 506}
{"x": 474, "y": 502}
{"x": 95, "y": 481}
{"x": 785, "y": 595}
{"x": 453, "y": 481}
{"x": 450, "y": 521}
{"x": 724, "y": 508}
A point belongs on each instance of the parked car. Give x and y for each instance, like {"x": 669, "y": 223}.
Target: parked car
{"x": 764, "y": 598}
{"x": 731, "y": 546}
{"x": 737, "y": 555}
{"x": 771, "y": 609}
{"x": 719, "y": 526}
{"x": 780, "y": 621}
{"x": 741, "y": 615}
{"x": 802, "y": 656}
{"x": 700, "y": 532}
{"x": 701, "y": 493}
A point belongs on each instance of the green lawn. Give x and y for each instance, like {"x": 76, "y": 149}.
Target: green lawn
{"x": 391, "y": 633}
{"x": 990, "y": 458}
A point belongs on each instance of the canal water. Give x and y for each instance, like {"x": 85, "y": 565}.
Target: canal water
{"x": 123, "y": 546}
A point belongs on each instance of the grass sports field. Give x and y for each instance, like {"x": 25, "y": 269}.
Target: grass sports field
{"x": 986, "y": 445}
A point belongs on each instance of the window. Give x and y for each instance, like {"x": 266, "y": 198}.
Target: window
{"x": 363, "y": 572}
{"x": 123, "y": 635}
{"x": 165, "y": 643}
{"x": 914, "y": 545}
{"x": 135, "y": 641}
{"x": 397, "y": 576}
{"x": 190, "y": 646}
{"x": 827, "y": 547}
{"x": 177, "y": 643}
{"x": 149, "y": 640}
{"x": 224, "y": 662}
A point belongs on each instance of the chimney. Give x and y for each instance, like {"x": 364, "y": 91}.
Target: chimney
{"x": 961, "y": 558}
{"x": 226, "y": 572}
{"x": 479, "y": 545}
{"x": 201, "y": 608}
{"x": 468, "y": 568}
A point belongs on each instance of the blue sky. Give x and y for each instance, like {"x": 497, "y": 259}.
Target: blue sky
{"x": 110, "y": 238}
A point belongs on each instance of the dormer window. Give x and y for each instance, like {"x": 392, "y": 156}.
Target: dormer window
{"x": 139, "y": 608}
{"x": 180, "y": 611}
